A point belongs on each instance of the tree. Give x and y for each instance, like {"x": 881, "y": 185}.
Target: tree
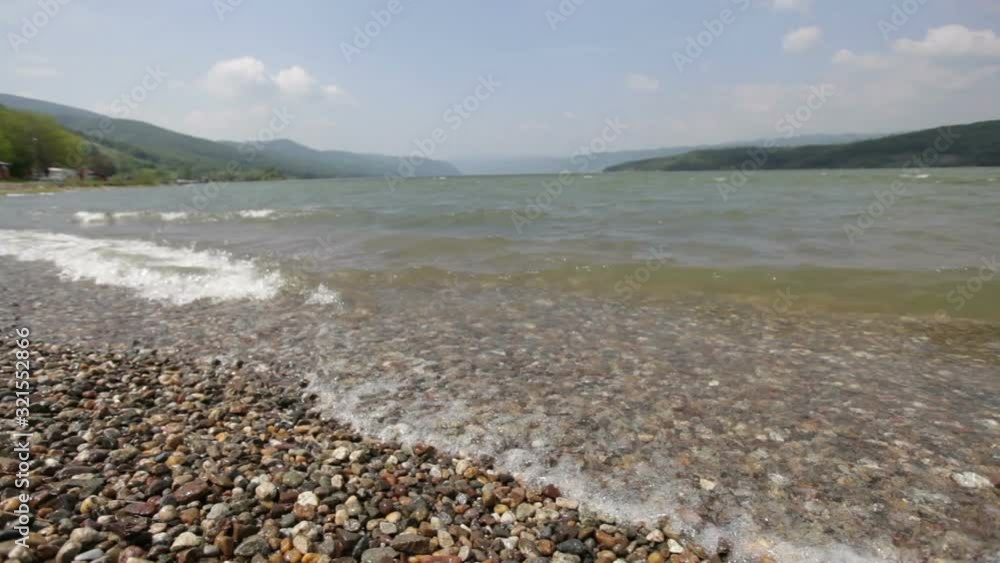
{"x": 101, "y": 164}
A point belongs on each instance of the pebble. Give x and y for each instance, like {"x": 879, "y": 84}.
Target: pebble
{"x": 411, "y": 544}
{"x": 90, "y": 555}
{"x": 379, "y": 555}
{"x": 68, "y": 552}
{"x": 186, "y": 540}
{"x": 971, "y": 480}
{"x": 166, "y": 514}
{"x": 560, "y": 557}
{"x": 674, "y": 547}
{"x": 251, "y": 546}
{"x": 265, "y": 490}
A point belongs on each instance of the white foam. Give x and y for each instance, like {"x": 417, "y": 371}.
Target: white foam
{"x": 642, "y": 493}
{"x": 323, "y": 295}
{"x": 102, "y": 218}
{"x": 256, "y": 213}
{"x": 87, "y": 218}
{"x": 161, "y": 273}
{"x": 173, "y": 215}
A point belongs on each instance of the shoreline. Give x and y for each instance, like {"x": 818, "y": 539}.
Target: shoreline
{"x": 153, "y": 457}
{"x": 409, "y": 393}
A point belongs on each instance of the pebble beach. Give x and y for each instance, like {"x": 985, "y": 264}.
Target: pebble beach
{"x": 149, "y": 457}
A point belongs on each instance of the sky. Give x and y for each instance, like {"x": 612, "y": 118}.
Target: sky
{"x": 519, "y": 77}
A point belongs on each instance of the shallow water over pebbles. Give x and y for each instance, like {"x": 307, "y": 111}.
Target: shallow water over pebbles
{"x": 810, "y": 437}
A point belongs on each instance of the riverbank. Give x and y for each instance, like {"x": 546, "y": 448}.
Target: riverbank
{"x": 142, "y": 456}
{"x": 7, "y": 188}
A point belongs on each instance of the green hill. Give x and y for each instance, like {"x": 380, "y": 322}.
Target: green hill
{"x": 177, "y": 155}
{"x": 976, "y": 144}
{"x": 32, "y": 142}
{"x": 599, "y": 161}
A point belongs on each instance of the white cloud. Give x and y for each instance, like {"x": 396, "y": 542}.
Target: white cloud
{"x": 37, "y": 72}
{"x": 294, "y": 81}
{"x": 233, "y": 77}
{"x": 641, "y": 82}
{"x": 952, "y": 40}
{"x": 801, "y": 6}
{"x": 246, "y": 76}
{"x": 864, "y": 61}
{"x": 801, "y": 39}
{"x": 569, "y": 115}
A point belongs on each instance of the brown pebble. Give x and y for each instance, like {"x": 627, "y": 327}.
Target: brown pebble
{"x": 551, "y": 491}
{"x": 225, "y": 545}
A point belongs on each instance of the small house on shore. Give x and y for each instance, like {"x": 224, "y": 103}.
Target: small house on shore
{"x": 4, "y": 170}
{"x": 59, "y": 174}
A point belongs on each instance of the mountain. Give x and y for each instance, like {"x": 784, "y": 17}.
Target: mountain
{"x": 602, "y": 161}
{"x": 178, "y": 155}
{"x": 488, "y": 166}
{"x": 975, "y": 144}
{"x": 324, "y": 163}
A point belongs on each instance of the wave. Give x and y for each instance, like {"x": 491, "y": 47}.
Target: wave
{"x": 256, "y": 213}
{"x": 174, "y": 216}
{"x": 94, "y": 218}
{"x": 91, "y": 218}
{"x": 323, "y": 295}
{"x": 161, "y": 273}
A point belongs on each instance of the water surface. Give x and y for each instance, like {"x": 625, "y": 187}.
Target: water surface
{"x": 739, "y": 366}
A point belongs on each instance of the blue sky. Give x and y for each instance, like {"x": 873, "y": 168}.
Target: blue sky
{"x": 560, "y": 77}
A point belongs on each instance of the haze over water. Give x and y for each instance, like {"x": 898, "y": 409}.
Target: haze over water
{"x": 739, "y": 364}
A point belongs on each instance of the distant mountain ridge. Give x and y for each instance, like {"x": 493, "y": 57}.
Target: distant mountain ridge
{"x": 602, "y": 161}
{"x": 973, "y": 144}
{"x": 186, "y": 156}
